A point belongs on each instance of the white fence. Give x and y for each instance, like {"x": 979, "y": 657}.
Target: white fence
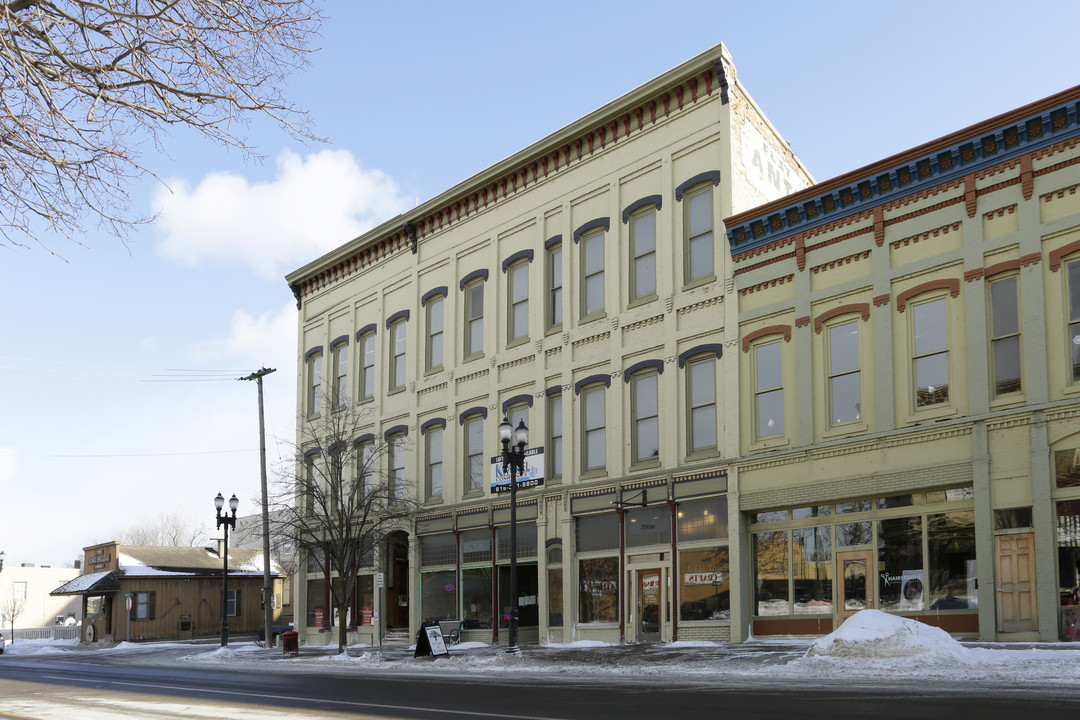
{"x": 53, "y": 632}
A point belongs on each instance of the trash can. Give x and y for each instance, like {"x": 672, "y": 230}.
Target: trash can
{"x": 290, "y": 643}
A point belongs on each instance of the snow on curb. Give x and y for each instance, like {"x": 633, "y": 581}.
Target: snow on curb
{"x": 873, "y": 634}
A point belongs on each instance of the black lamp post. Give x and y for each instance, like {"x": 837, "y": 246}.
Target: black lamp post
{"x": 513, "y": 460}
{"x": 228, "y": 522}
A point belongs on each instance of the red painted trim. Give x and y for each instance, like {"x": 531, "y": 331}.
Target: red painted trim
{"x": 880, "y": 300}
{"x": 1032, "y": 259}
{"x": 950, "y": 284}
{"x": 1027, "y": 183}
{"x": 802, "y": 321}
{"x": 879, "y": 225}
{"x": 973, "y": 275}
{"x": 862, "y": 308}
{"x": 971, "y": 196}
{"x": 1056, "y": 255}
{"x": 785, "y": 330}
{"x": 822, "y": 625}
{"x": 998, "y": 268}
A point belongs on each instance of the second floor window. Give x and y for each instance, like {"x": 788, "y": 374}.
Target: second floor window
{"x": 474, "y": 454}
{"x": 396, "y": 451}
{"x": 701, "y": 391}
{"x": 365, "y": 457}
{"x": 699, "y": 234}
{"x": 645, "y": 443}
{"x": 768, "y": 390}
{"x": 1073, "y": 278}
{"x": 930, "y": 360}
{"x": 554, "y": 451}
{"x": 1005, "y": 336}
{"x": 434, "y": 442}
{"x": 844, "y": 376}
{"x": 594, "y": 420}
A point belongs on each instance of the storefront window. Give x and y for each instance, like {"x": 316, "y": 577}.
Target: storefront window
{"x": 476, "y": 598}
{"x": 811, "y": 512}
{"x": 438, "y": 550}
{"x": 771, "y": 573}
{"x": 648, "y": 526}
{"x": 1067, "y": 468}
{"x": 528, "y": 591}
{"x": 316, "y": 602}
{"x": 438, "y": 596}
{"x": 705, "y": 589}
{"x": 854, "y": 506}
{"x": 951, "y": 544}
{"x": 702, "y": 519}
{"x": 598, "y": 532}
{"x": 858, "y": 533}
{"x": 365, "y": 598}
{"x": 598, "y": 598}
{"x": 555, "y": 597}
{"x": 1068, "y": 538}
{"x": 901, "y": 584}
{"x": 476, "y": 546}
{"x": 812, "y": 565}
{"x": 526, "y": 541}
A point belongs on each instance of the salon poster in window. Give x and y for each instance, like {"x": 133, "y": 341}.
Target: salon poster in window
{"x": 911, "y": 590}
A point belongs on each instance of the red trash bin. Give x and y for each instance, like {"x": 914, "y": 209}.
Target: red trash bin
{"x": 290, "y": 643}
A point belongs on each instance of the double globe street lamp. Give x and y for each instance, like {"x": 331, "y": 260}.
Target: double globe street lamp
{"x": 228, "y": 522}
{"x": 513, "y": 461}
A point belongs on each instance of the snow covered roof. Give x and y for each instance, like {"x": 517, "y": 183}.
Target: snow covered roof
{"x": 142, "y": 561}
{"x": 107, "y": 581}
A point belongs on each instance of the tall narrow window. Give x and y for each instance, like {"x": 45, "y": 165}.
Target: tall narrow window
{"x": 554, "y": 451}
{"x": 435, "y": 319}
{"x": 1074, "y": 317}
{"x": 1005, "y": 336}
{"x": 592, "y": 267}
{"x": 518, "y": 321}
{"x": 341, "y": 369}
{"x": 474, "y": 318}
{"x": 643, "y": 248}
{"x": 434, "y": 441}
{"x": 931, "y": 357}
{"x": 474, "y": 454}
{"x": 518, "y": 413}
{"x": 699, "y": 234}
{"x": 645, "y": 444}
{"x": 397, "y": 355}
{"x": 314, "y": 383}
{"x": 701, "y": 379}
{"x": 594, "y": 413}
{"x": 844, "y": 376}
{"x": 365, "y": 472}
{"x": 396, "y": 451}
{"x": 769, "y": 389}
{"x": 367, "y": 371}
{"x": 555, "y": 287}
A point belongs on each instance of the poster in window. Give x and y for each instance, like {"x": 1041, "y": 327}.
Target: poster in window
{"x": 911, "y": 590}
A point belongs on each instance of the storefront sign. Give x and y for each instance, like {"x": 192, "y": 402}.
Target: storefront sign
{"x": 319, "y": 617}
{"x": 598, "y": 587}
{"x": 703, "y": 578}
{"x": 650, "y": 582}
{"x": 533, "y": 476}
{"x": 365, "y": 615}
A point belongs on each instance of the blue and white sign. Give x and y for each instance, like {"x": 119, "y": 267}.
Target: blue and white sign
{"x": 533, "y": 477}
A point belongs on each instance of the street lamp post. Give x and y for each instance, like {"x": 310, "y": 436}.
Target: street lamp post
{"x": 228, "y": 522}
{"x": 513, "y": 460}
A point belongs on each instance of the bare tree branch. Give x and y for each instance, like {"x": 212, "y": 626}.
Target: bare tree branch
{"x": 83, "y": 84}
{"x": 340, "y": 501}
{"x": 169, "y": 529}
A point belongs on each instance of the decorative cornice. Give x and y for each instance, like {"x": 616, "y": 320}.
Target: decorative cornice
{"x": 784, "y": 330}
{"x": 862, "y": 308}
{"x": 950, "y": 284}
{"x": 951, "y": 161}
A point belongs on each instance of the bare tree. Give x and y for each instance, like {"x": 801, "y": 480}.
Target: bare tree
{"x": 171, "y": 529}
{"x": 343, "y": 496}
{"x": 84, "y": 83}
{"x": 10, "y": 609}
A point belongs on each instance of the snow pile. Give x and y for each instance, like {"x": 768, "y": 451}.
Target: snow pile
{"x": 873, "y": 634}
{"x": 41, "y": 647}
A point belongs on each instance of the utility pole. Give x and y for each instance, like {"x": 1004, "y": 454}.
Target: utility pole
{"x": 268, "y": 586}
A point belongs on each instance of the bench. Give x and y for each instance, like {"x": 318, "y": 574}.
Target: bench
{"x": 451, "y": 631}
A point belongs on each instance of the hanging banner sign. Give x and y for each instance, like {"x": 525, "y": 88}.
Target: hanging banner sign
{"x": 533, "y": 476}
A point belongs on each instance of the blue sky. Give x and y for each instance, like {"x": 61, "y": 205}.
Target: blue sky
{"x": 414, "y": 97}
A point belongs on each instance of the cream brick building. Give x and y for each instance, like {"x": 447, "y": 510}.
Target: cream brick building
{"x": 582, "y": 285}
{"x": 910, "y": 422}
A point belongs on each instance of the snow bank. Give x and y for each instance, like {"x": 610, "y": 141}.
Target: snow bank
{"x": 874, "y": 634}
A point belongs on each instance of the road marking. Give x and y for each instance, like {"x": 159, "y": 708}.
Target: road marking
{"x": 350, "y": 703}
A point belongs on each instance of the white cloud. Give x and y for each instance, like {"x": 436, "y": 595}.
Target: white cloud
{"x": 314, "y": 204}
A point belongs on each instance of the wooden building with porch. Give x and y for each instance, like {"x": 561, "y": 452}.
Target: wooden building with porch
{"x": 174, "y": 592}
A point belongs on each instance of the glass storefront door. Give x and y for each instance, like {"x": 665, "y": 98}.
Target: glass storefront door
{"x": 854, "y": 570}
{"x": 649, "y": 612}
